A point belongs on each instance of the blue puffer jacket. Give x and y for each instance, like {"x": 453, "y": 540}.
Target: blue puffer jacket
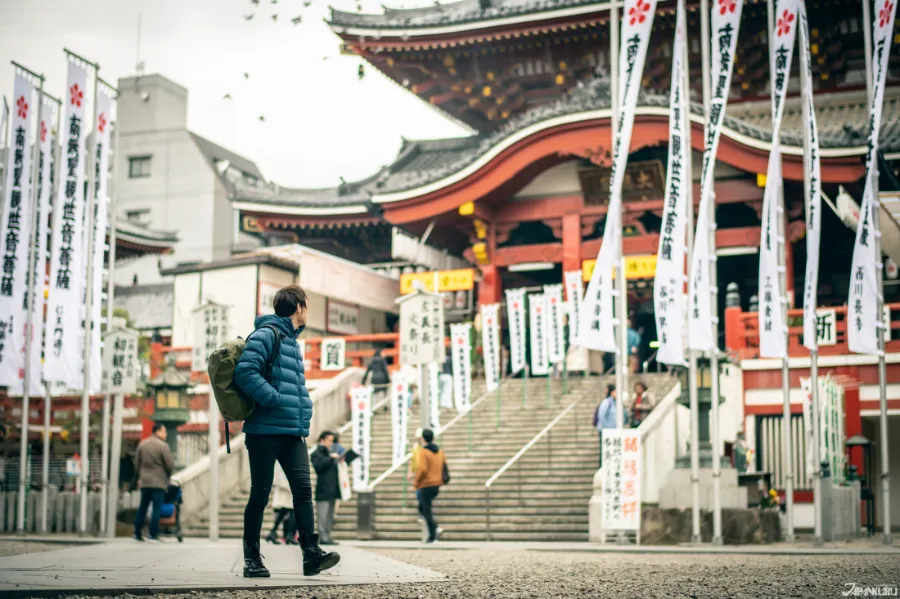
{"x": 283, "y": 403}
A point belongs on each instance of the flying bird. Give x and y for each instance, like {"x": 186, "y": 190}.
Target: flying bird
{"x": 296, "y": 20}
{"x": 246, "y": 75}
{"x": 248, "y": 17}
{"x": 306, "y": 3}
{"x": 324, "y": 58}
{"x": 262, "y": 119}
{"x": 275, "y": 18}
{"x": 226, "y": 97}
{"x": 274, "y": 1}
{"x": 256, "y": 2}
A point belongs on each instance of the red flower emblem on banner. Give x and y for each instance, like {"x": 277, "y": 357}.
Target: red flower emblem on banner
{"x": 490, "y": 321}
{"x": 537, "y": 310}
{"x": 22, "y": 107}
{"x": 884, "y": 16}
{"x": 515, "y": 305}
{"x": 399, "y": 388}
{"x": 727, "y": 6}
{"x": 784, "y": 23}
{"x": 101, "y": 123}
{"x": 553, "y": 300}
{"x": 43, "y": 131}
{"x": 460, "y": 341}
{"x": 76, "y": 95}
{"x": 361, "y": 405}
{"x": 638, "y": 12}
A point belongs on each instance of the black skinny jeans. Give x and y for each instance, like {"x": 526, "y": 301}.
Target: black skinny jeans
{"x": 293, "y": 455}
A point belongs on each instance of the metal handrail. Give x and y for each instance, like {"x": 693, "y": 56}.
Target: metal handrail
{"x": 444, "y": 429}
{"x": 546, "y": 431}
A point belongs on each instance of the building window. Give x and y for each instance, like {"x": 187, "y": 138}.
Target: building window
{"x": 139, "y": 166}
{"x": 138, "y": 217}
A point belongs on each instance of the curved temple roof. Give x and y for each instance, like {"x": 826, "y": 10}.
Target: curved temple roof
{"x": 842, "y": 120}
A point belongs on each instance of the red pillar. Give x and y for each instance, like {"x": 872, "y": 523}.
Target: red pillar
{"x": 490, "y": 289}
{"x": 733, "y": 340}
{"x": 571, "y": 242}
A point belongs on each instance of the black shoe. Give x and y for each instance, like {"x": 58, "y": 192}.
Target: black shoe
{"x": 253, "y": 564}
{"x": 291, "y": 541}
{"x": 272, "y": 539}
{"x": 137, "y": 537}
{"x": 314, "y": 559}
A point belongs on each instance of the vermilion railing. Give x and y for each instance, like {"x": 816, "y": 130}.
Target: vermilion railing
{"x": 742, "y": 333}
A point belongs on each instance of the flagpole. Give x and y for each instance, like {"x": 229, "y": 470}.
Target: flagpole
{"x": 807, "y": 88}
{"x": 696, "y": 537}
{"x": 45, "y": 465}
{"x": 876, "y": 221}
{"x": 29, "y": 299}
{"x": 88, "y": 314}
{"x": 621, "y": 306}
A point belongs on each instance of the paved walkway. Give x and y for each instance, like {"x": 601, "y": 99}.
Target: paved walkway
{"x": 128, "y": 566}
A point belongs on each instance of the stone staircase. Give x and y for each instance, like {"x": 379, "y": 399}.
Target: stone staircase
{"x": 543, "y": 497}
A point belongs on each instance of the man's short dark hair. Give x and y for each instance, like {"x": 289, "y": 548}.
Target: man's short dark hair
{"x": 288, "y": 299}
{"x": 326, "y": 434}
{"x": 428, "y": 435}
{"x": 157, "y": 426}
{"x": 610, "y": 389}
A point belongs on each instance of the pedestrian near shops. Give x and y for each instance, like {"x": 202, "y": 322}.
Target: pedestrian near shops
{"x": 431, "y": 470}
{"x": 643, "y": 404}
{"x": 278, "y": 427}
{"x": 283, "y": 504}
{"x": 153, "y": 465}
{"x": 328, "y": 488}
{"x": 378, "y": 369}
{"x": 605, "y": 416}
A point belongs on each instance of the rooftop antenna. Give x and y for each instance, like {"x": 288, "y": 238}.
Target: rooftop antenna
{"x": 139, "y": 64}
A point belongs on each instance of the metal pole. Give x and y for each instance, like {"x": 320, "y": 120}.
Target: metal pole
{"x": 692, "y": 355}
{"x": 549, "y": 387}
{"x": 115, "y": 458}
{"x": 104, "y": 463}
{"x": 213, "y": 493}
{"x": 29, "y": 319}
{"x": 525, "y": 385}
{"x": 110, "y": 310}
{"x": 88, "y": 310}
{"x": 498, "y": 407}
{"x": 882, "y": 369}
{"x": 621, "y": 303}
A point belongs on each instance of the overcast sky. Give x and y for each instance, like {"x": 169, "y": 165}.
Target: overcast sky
{"x": 321, "y": 121}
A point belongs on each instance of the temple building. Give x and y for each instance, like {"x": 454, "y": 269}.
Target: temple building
{"x": 524, "y": 197}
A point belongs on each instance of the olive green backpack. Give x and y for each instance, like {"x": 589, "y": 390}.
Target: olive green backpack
{"x": 234, "y": 405}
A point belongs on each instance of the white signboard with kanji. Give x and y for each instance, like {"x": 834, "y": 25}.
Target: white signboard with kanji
{"x": 826, "y": 327}
{"x": 334, "y": 351}
{"x": 210, "y": 331}
{"x": 621, "y": 479}
{"x": 343, "y": 319}
{"x": 421, "y": 329}
{"x": 120, "y": 362}
{"x": 361, "y": 419}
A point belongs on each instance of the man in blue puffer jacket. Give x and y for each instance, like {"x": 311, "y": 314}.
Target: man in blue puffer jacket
{"x": 277, "y": 429}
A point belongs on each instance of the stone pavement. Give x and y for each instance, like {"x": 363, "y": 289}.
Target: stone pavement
{"x": 139, "y": 568}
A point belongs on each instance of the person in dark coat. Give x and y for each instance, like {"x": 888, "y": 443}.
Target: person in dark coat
{"x": 378, "y": 368}
{"x": 278, "y": 427}
{"x": 328, "y": 487}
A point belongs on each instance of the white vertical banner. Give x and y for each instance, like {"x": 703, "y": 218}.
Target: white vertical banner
{"x": 4, "y": 119}
{"x": 597, "y": 320}
{"x": 15, "y": 228}
{"x": 462, "y": 365}
{"x": 863, "y": 325}
{"x": 38, "y": 276}
{"x": 334, "y": 354}
{"x": 574, "y": 297}
{"x": 773, "y": 295}
{"x": 64, "y": 356}
{"x": 515, "y": 315}
{"x": 490, "y": 344}
{"x": 556, "y": 324}
{"x": 399, "y": 415}
{"x": 103, "y": 118}
{"x": 813, "y": 192}
{"x": 621, "y": 479}
{"x": 434, "y": 393}
{"x": 668, "y": 284}
{"x": 540, "y": 361}
{"x": 726, "y": 22}
{"x": 361, "y": 419}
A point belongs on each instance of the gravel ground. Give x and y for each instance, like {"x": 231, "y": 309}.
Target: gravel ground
{"x": 520, "y": 574}
{"x": 8, "y": 548}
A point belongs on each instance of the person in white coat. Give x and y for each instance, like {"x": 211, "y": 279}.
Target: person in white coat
{"x": 283, "y": 503}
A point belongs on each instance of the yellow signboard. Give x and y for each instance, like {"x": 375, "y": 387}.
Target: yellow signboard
{"x": 447, "y": 280}
{"x": 636, "y": 267}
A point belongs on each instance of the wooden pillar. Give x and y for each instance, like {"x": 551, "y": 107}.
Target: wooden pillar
{"x": 571, "y": 242}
